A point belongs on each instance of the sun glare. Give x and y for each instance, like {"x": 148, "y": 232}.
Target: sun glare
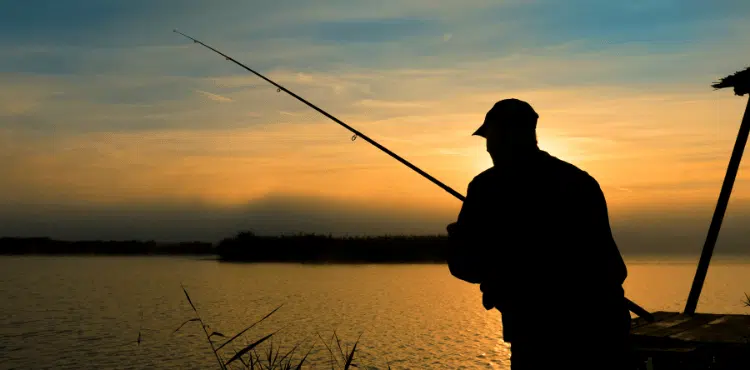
{"x": 483, "y": 161}
{"x": 561, "y": 148}
{"x": 555, "y": 145}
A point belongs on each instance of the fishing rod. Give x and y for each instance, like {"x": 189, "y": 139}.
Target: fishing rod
{"x": 356, "y": 133}
{"x": 631, "y": 305}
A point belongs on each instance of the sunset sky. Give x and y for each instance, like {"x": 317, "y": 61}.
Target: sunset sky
{"x": 113, "y": 126}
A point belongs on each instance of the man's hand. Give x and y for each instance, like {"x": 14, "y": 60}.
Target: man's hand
{"x": 490, "y": 296}
{"x": 452, "y": 229}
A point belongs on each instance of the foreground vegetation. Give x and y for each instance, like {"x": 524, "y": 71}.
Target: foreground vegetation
{"x": 253, "y": 356}
{"x": 260, "y": 354}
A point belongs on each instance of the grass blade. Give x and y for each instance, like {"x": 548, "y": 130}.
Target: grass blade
{"x": 269, "y": 356}
{"x": 140, "y": 328}
{"x": 252, "y": 361}
{"x": 183, "y": 324}
{"x": 329, "y": 350}
{"x": 248, "y": 348}
{"x": 188, "y": 298}
{"x": 257, "y": 358}
{"x": 299, "y": 366}
{"x": 275, "y": 358}
{"x": 248, "y": 328}
{"x": 351, "y": 355}
{"x": 289, "y": 353}
{"x": 338, "y": 343}
{"x": 243, "y": 362}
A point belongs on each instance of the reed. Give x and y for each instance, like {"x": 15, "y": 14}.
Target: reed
{"x": 253, "y": 357}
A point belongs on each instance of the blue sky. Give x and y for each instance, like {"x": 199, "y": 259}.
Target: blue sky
{"x": 103, "y": 106}
{"x": 58, "y": 37}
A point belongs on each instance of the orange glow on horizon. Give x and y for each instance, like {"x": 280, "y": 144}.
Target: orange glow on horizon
{"x": 645, "y": 149}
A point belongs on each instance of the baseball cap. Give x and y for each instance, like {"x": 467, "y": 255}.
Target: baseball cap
{"x": 508, "y": 111}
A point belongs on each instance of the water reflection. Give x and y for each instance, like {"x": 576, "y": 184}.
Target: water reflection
{"x": 85, "y": 312}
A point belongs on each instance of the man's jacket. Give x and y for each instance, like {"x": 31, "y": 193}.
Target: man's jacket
{"x": 537, "y": 237}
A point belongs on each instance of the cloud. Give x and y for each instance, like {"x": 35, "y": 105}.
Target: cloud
{"x": 608, "y": 130}
{"x": 304, "y": 77}
{"x": 372, "y": 103}
{"x": 293, "y": 114}
{"x": 98, "y": 102}
{"x": 214, "y": 97}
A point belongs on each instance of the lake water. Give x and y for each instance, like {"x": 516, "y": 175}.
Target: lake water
{"x": 86, "y": 312}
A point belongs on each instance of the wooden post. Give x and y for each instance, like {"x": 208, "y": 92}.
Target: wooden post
{"x": 740, "y": 81}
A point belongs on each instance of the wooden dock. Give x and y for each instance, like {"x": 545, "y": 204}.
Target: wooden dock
{"x": 689, "y": 340}
{"x": 698, "y": 341}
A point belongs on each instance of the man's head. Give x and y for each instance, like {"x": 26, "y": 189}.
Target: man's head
{"x": 510, "y": 130}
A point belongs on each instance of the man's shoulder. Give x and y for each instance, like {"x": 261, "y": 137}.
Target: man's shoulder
{"x": 555, "y": 169}
{"x": 487, "y": 177}
{"x": 567, "y": 171}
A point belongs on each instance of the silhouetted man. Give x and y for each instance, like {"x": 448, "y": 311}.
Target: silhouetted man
{"x": 534, "y": 232}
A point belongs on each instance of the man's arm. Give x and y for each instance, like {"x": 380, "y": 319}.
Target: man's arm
{"x": 603, "y": 245}
{"x": 464, "y": 257}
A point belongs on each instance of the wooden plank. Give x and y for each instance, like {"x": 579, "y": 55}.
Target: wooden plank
{"x": 667, "y": 351}
{"x": 728, "y": 329}
{"x": 659, "y": 325}
{"x": 658, "y": 316}
{"x": 714, "y": 329}
{"x": 648, "y": 343}
{"x": 699, "y": 341}
{"x": 664, "y": 323}
{"x": 678, "y": 324}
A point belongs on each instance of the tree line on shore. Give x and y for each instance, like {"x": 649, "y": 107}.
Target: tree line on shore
{"x": 247, "y": 246}
{"x": 45, "y": 245}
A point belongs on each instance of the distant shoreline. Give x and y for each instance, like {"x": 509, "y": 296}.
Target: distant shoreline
{"x": 248, "y": 247}
{"x": 48, "y": 246}
{"x": 309, "y": 249}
